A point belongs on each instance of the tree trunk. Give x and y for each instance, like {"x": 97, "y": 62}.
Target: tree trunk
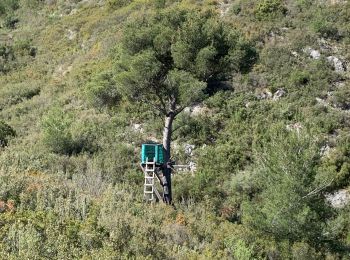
{"x": 167, "y": 132}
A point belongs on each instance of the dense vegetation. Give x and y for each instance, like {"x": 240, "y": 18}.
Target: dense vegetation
{"x": 268, "y": 116}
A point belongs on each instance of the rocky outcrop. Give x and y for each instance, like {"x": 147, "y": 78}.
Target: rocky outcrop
{"x": 315, "y": 54}
{"x": 279, "y": 94}
{"x": 339, "y": 199}
{"x": 337, "y": 63}
{"x": 196, "y": 110}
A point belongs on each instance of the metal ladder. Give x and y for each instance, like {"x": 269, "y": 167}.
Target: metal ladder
{"x": 149, "y": 184}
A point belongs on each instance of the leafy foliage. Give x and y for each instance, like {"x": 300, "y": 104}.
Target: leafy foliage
{"x": 174, "y": 54}
{"x": 65, "y": 136}
{"x": 267, "y": 9}
{"x": 271, "y": 139}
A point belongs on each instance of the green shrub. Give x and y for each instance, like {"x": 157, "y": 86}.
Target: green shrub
{"x": 269, "y": 9}
{"x": 102, "y": 91}
{"x": 299, "y": 78}
{"x": 240, "y": 250}
{"x": 7, "y": 55}
{"x": 15, "y": 55}
{"x": 64, "y": 134}
{"x": 114, "y": 4}
{"x": 11, "y": 21}
{"x": 16, "y": 93}
{"x": 8, "y": 6}
{"x": 325, "y": 29}
{"x": 24, "y": 48}
{"x": 6, "y": 132}
{"x": 341, "y": 98}
{"x": 57, "y": 136}
{"x": 290, "y": 202}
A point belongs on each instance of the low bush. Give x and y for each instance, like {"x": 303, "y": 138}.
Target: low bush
{"x": 8, "y": 6}
{"x": 102, "y": 91}
{"x": 114, "y": 4}
{"x": 270, "y": 9}
{"x": 63, "y": 134}
{"x": 57, "y": 136}
{"x": 6, "y": 132}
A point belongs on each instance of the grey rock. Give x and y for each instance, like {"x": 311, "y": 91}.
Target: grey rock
{"x": 71, "y": 35}
{"x": 339, "y": 199}
{"x": 336, "y": 63}
{"x": 196, "y": 110}
{"x": 264, "y": 94}
{"x": 294, "y": 127}
{"x": 325, "y": 150}
{"x": 279, "y": 94}
{"x": 315, "y": 54}
{"x": 192, "y": 166}
{"x": 137, "y": 128}
{"x": 189, "y": 149}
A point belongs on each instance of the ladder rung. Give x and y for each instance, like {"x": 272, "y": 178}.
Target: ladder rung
{"x": 148, "y": 192}
{"x": 149, "y": 184}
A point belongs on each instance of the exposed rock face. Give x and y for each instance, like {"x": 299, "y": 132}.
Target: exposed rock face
{"x": 192, "y": 166}
{"x": 189, "y": 149}
{"x": 294, "y": 127}
{"x": 279, "y": 94}
{"x": 71, "y": 35}
{"x": 315, "y": 54}
{"x": 264, "y": 94}
{"x": 336, "y": 63}
{"x": 325, "y": 150}
{"x": 339, "y": 199}
{"x": 137, "y": 128}
{"x": 322, "y": 101}
{"x": 196, "y": 110}
{"x": 267, "y": 94}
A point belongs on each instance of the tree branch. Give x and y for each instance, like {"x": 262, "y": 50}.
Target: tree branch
{"x": 154, "y": 106}
{"x": 179, "y": 127}
{"x": 179, "y": 110}
{"x": 163, "y": 108}
{"x": 318, "y": 189}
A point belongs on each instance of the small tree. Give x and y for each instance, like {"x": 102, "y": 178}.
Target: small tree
{"x": 289, "y": 198}
{"x": 167, "y": 60}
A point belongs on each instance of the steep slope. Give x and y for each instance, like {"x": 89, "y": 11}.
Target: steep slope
{"x": 270, "y": 145}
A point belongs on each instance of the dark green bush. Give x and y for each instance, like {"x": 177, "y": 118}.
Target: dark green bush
{"x": 299, "y": 78}
{"x": 6, "y": 132}
{"x": 11, "y": 21}
{"x": 285, "y": 205}
{"x": 102, "y": 91}
{"x": 326, "y": 29}
{"x": 57, "y": 136}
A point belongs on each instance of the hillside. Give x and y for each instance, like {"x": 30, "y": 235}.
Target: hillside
{"x": 267, "y": 139}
